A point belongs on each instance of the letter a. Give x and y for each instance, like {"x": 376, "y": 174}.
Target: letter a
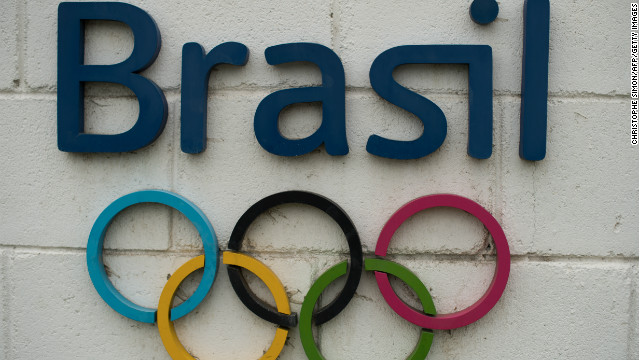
{"x": 332, "y": 130}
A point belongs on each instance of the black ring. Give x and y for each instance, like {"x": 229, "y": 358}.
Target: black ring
{"x": 354, "y": 271}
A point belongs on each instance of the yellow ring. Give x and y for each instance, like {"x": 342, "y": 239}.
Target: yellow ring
{"x": 165, "y": 326}
{"x": 277, "y": 290}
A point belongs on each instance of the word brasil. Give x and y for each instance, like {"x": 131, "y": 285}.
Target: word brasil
{"x": 282, "y": 316}
{"x": 197, "y": 66}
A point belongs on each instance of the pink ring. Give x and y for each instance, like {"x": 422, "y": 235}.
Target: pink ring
{"x": 481, "y": 307}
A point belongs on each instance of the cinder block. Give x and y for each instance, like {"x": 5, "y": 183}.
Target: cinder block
{"x": 547, "y": 303}
{"x": 294, "y": 270}
{"x": 4, "y": 314}
{"x": 258, "y": 25}
{"x": 107, "y": 42}
{"x": 9, "y": 24}
{"x": 582, "y": 198}
{"x": 141, "y": 278}
{"x": 582, "y": 53}
{"x": 54, "y": 290}
{"x": 633, "y": 314}
{"x": 353, "y": 181}
{"x": 52, "y": 198}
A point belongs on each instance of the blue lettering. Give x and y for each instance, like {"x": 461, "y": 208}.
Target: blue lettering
{"x": 196, "y": 68}
{"x": 435, "y": 124}
{"x": 72, "y": 74}
{"x": 332, "y": 131}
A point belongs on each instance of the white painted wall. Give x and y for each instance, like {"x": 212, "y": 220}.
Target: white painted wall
{"x": 571, "y": 219}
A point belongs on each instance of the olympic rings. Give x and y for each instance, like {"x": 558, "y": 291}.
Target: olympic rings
{"x": 474, "y": 312}
{"x": 99, "y": 276}
{"x": 282, "y": 315}
{"x": 354, "y": 269}
{"x": 377, "y": 265}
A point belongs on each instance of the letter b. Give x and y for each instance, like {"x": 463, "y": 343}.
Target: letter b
{"x": 72, "y": 74}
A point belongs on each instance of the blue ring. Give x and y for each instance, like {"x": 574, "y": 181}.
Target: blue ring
{"x": 99, "y": 276}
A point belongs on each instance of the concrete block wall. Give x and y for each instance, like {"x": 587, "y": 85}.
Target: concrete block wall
{"x": 571, "y": 219}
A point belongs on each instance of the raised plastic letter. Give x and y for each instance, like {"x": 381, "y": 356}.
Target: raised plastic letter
{"x": 73, "y": 73}
{"x": 332, "y": 130}
{"x": 535, "y": 80}
{"x": 196, "y": 68}
{"x": 435, "y": 124}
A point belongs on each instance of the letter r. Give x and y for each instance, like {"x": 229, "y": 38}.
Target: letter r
{"x": 73, "y": 73}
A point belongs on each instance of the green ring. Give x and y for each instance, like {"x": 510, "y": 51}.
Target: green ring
{"x": 385, "y": 266}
